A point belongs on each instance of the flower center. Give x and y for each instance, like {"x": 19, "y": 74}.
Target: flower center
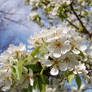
{"x": 58, "y": 44}
{"x": 67, "y": 59}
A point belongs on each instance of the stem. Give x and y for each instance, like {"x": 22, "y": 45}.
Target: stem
{"x": 72, "y": 24}
{"x": 85, "y": 31}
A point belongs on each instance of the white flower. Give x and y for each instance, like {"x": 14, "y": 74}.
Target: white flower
{"x": 33, "y": 15}
{"x": 81, "y": 68}
{"x": 63, "y": 1}
{"x": 13, "y": 49}
{"x": 58, "y": 46}
{"x": 46, "y": 34}
{"x": 4, "y": 56}
{"x": 5, "y": 78}
{"x": 30, "y": 73}
{"x": 31, "y": 77}
{"x": 50, "y": 89}
{"x": 76, "y": 51}
{"x": 54, "y": 71}
{"x": 69, "y": 61}
{"x": 32, "y": 2}
{"x": 77, "y": 41}
{"x": 31, "y": 82}
{"x": 45, "y": 60}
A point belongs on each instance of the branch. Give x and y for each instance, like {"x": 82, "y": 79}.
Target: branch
{"x": 85, "y": 31}
{"x": 72, "y": 24}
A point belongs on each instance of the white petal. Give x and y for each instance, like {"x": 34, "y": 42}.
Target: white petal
{"x": 46, "y": 62}
{"x": 52, "y": 39}
{"x": 82, "y": 86}
{"x": 82, "y": 47}
{"x": 30, "y": 73}
{"x": 54, "y": 71}
{"x": 76, "y": 51}
{"x": 31, "y": 82}
{"x": 63, "y": 66}
{"x": 66, "y": 47}
{"x": 57, "y": 55}
{"x": 5, "y": 88}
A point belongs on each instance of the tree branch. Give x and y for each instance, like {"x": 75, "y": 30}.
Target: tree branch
{"x": 72, "y": 24}
{"x": 85, "y": 31}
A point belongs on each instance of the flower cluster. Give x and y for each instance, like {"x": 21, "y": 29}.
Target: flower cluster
{"x": 55, "y": 54}
{"x": 60, "y": 47}
{"x": 57, "y": 51}
{"x": 11, "y": 62}
{"x": 61, "y": 9}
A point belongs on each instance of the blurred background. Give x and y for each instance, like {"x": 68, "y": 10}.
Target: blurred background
{"x": 14, "y": 24}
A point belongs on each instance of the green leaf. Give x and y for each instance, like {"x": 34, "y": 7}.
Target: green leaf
{"x": 35, "y": 51}
{"x": 43, "y": 88}
{"x": 35, "y": 82}
{"x": 28, "y": 59}
{"x": 71, "y": 77}
{"x": 14, "y": 72}
{"x": 45, "y": 79}
{"x": 31, "y": 59}
{"x": 19, "y": 69}
{"x": 34, "y": 67}
{"x": 43, "y": 50}
{"x": 40, "y": 82}
{"x": 30, "y": 89}
{"x": 81, "y": 54}
{"x": 24, "y": 90}
{"x": 66, "y": 74}
{"x": 78, "y": 81}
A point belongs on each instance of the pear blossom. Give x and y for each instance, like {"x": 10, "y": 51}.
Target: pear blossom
{"x": 58, "y": 46}
{"x": 57, "y": 49}
{"x": 33, "y": 15}
{"x": 32, "y": 2}
{"x": 45, "y": 60}
{"x": 31, "y": 77}
{"x": 81, "y": 68}
{"x": 63, "y": 1}
{"x": 5, "y": 78}
{"x": 54, "y": 71}
{"x": 69, "y": 61}
{"x": 51, "y": 90}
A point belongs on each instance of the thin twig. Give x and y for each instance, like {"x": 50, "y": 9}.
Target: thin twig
{"x": 85, "y": 31}
{"x": 72, "y": 24}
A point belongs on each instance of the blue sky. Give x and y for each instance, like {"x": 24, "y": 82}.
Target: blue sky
{"x": 14, "y": 24}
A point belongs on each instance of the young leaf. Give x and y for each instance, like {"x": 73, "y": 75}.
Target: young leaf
{"x": 14, "y": 72}
{"x": 35, "y": 51}
{"x": 30, "y": 89}
{"x": 19, "y": 69}
{"x": 43, "y": 88}
{"x": 78, "y": 81}
{"x": 34, "y": 67}
{"x": 45, "y": 79}
{"x": 71, "y": 77}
